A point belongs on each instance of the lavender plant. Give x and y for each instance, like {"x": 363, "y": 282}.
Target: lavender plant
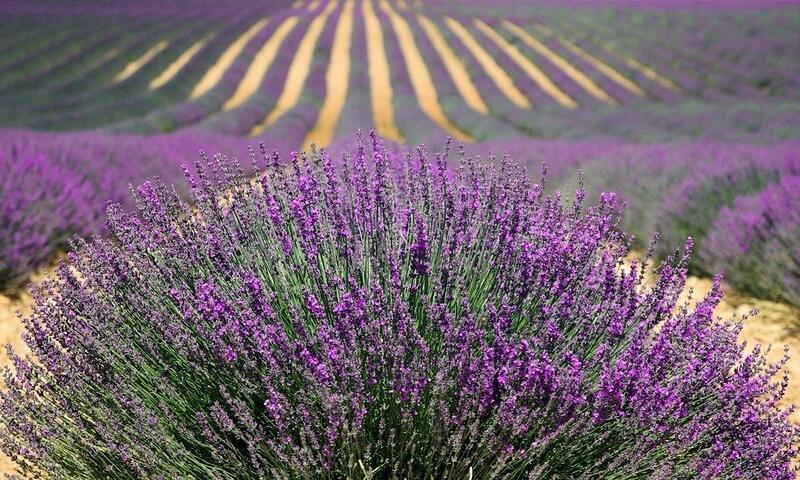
{"x": 383, "y": 318}
{"x": 690, "y": 206}
{"x": 56, "y": 185}
{"x": 756, "y": 241}
{"x": 38, "y": 201}
{"x": 704, "y": 190}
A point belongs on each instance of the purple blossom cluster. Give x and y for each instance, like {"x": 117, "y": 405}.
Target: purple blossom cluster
{"x": 381, "y": 316}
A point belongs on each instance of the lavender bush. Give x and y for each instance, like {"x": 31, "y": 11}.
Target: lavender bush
{"x": 57, "y": 185}
{"x": 691, "y": 205}
{"x": 757, "y": 241}
{"x": 38, "y": 201}
{"x": 393, "y": 320}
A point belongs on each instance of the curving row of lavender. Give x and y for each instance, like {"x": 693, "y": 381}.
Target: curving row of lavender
{"x": 735, "y": 200}
{"x": 755, "y": 241}
{"x": 57, "y": 185}
{"x": 387, "y": 321}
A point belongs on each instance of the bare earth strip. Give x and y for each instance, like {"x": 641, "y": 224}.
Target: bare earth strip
{"x": 260, "y": 65}
{"x": 455, "y": 67}
{"x": 380, "y": 83}
{"x": 298, "y": 71}
{"x": 644, "y": 70}
{"x": 595, "y": 62}
{"x": 10, "y": 332}
{"x": 215, "y": 73}
{"x": 134, "y": 66}
{"x": 175, "y": 67}
{"x": 337, "y": 78}
{"x": 421, "y": 80}
{"x": 527, "y": 66}
{"x": 495, "y": 72}
{"x": 576, "y": 75}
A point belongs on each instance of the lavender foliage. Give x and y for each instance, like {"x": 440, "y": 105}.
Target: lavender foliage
{"x": 757, "y": 241}
{"x": 38, "y": 201}
{"x": 386, "y": 318}
{"x": 56, "y": 185}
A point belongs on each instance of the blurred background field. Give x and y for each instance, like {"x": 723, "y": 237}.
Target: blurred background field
{"x": 689, "y": 110}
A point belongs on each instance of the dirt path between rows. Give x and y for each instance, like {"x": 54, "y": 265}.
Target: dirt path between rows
{"x": 10, "y": 332}
{"x": 776, "y": 324}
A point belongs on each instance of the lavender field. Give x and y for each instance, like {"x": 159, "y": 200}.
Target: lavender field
{"x": 400, "y": 239}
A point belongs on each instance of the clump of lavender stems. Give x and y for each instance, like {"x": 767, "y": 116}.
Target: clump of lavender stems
{"x": 381, "y": 318}
{"x": 757, "y": 241}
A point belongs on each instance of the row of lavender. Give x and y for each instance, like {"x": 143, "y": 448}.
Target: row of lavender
{"x": 739, "y": 202}
{"x": 57, "y": 185}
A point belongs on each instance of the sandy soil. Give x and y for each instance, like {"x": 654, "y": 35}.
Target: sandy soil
{"x": 337, "y": 79}
{"x": 775, "y": 324}
{"x": 10, "y": 332}
{"x": 380, "y": 82}
{"x": 495, "y": 72}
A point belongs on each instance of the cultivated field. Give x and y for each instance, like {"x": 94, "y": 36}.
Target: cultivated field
{"x": 691, "y": 114}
